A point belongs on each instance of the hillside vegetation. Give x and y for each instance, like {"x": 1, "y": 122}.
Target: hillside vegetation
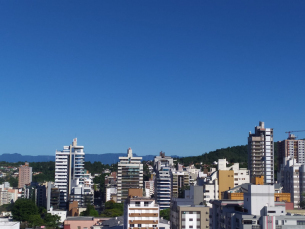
{"x": 234, "y": 154}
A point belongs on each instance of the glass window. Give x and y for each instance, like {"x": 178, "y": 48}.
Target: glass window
{"x": 139, "y": 225}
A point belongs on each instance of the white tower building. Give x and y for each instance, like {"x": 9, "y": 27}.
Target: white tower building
{"x": 69, "y": 165}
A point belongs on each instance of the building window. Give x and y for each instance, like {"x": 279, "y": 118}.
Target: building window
{"x": 300, "y": 222}
{"x": 146, "y": 204}
{"x": 139, "y": 225}
{"x": 154, "y": 225}
{"x": 137, "y": 204}
{"x": 190, "y": 226}
{"x": 191, "y": 219}
{"x": 131, "y": 225}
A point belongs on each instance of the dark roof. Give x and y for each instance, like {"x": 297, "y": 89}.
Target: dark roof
{"x": 115, "y": 221}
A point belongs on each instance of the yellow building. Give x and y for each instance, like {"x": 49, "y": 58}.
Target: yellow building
{"x": 258, "y": 180}
{"x": 225, "y": 181}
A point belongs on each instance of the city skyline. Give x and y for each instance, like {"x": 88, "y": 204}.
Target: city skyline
{"x": 154, "y": 76}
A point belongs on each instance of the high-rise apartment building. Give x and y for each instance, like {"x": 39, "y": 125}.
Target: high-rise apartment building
{"x": 261, "y": 154}
{"x": 292, "y": 148}
{"x": 163, "y": 181}
{"x": 179, "y": 180}
{"x": 25, "y": 175}
{"x": 69, "y": 165}
{"x": 130, "y": 175}
{"x": 292, "y": 177}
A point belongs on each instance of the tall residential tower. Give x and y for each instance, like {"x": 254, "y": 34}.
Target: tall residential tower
{"x": 25, "y": 175}
{"x": 130, "y": 175}
{"x": 292, "y": 148}
{"x": 69, "y": 165}
{"x": 261, "y": 154}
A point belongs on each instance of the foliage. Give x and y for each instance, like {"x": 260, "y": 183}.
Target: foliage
{"x": 302, "y": 201}
{"x": 165, "y": 213}
{"x": 6, "y": 207}
{"x": 35, "y": 220}
{"x": 95, "y": 167}
{"x": 146, "y": 173}
{"x": 23, "y": 209}
{"x": 100, "y": 180}
{"x": 51, "y": 220}
{"x": 113, "y": 209}
{"x": 90, "y": 211}
{"x": 13, "y": 181}
{"x": 232, "y": 154}
{"x": 47, "y": 170}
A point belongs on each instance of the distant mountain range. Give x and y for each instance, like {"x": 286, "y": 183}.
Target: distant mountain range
{"x": 107, "y": 158}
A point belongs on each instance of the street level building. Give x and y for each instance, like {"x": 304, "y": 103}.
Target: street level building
{"x": 258, "y": 210}
{"x": 190, "y": 211}
{"x": 140, "y": 212}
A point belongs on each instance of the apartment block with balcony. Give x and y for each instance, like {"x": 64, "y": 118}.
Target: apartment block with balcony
{"x": 130, "y": 175}
{"x": 69, "y": 166}
{"x": 163, "y": 180}
{"x": 140, "y": 212}
{"x": 292, "y": 148}
{"x": 257, "y": 210}
{"x": 179, "y": 179}
{"x": 261, "y": 154}
{"x": 225, "y": 178}
{"x": 25, "y": 175}
{"x": 190, "y": 211}
{"x": 292, "y": 177}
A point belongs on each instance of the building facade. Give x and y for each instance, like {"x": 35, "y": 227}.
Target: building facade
{"x": 163, "y": 181}
{"x": 261, "y": 154}
{"x": 225, "y": 178}
{"x": 25, "y": 175}
{"x": 258, "y": 210}
{"x": 292, "y": 148}
{"x": 190, "y": 211}
{"x": 140, "y": 212}
{"x": 69, "y": 165}
{"x": 292, "y": 177}
{"x": 130, "y": 175}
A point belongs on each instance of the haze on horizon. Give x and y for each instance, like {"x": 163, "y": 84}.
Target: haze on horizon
{"x": 151, "y": 75}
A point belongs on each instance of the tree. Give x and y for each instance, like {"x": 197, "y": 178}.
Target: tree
{"x": 35, "y": 220}
{"x": 113, "y": 209}
{"x": 165, "y": 213}
{"x": 51, "y": 220}
{"x": 90, "y": 211}
{"x": 23, "y": 209}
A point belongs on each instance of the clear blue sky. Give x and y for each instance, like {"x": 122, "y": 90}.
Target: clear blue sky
{"x": 184, "y": 77}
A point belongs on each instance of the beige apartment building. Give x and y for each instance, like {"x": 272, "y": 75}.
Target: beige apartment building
{"x": 140, "y": 212}
{"x": 292, "y": 148}
{"x": 25, "y": 175}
